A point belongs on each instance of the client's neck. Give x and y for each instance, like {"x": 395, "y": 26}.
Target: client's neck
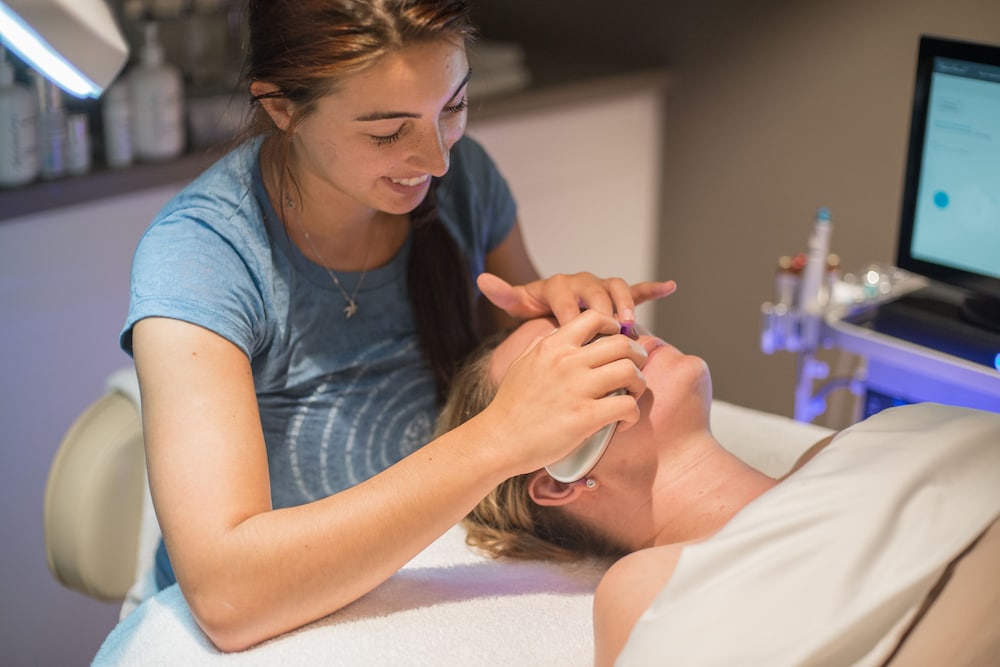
{"x": 704, "y": 487}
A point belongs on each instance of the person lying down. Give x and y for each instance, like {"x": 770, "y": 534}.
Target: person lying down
{"x": 856, "y": 557}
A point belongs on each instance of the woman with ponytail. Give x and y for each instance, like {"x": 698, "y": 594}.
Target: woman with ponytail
{"x": 298, "y": 311}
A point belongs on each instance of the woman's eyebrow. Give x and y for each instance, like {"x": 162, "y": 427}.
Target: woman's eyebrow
{"x": 465, "y": 80}
{"x": 386, "y": 115}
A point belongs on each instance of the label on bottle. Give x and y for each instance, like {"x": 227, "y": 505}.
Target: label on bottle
{"x": 119, "y": 148}
{"x": 159, "y": 116}
{"x": 18, "y": 140}
{"x": 52, "y": 143}
{"x": 77, "y": 144}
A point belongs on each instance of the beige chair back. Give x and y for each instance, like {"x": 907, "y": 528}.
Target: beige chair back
{"x": 94, "y": 500}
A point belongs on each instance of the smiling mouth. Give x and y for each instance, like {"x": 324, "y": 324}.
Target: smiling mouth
{"x": 411, "y": 182}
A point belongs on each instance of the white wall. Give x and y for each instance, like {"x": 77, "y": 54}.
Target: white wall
{"x": 63, "y": 299}
{"x": 586, "y": 181}
{"x": 769, "y": 117}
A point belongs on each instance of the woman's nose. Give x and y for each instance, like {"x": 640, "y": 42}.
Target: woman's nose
{"x": 433, "y": 153}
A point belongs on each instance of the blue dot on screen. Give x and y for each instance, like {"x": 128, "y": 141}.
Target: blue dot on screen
{"x": 996, "y": 361}
{"x": 941, "y": 199}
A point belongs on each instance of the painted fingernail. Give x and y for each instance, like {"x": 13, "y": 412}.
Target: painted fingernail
{"x": 629, "y": 329}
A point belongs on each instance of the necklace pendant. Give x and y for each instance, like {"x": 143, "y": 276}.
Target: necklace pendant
{"x": 351, "y": 309}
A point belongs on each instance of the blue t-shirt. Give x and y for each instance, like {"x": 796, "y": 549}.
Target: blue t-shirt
{"x": 340, "y": 399}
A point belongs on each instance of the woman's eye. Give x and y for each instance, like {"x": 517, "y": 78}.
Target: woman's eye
{"x": 458, "y": 108}
{"x": 386, "y": 140}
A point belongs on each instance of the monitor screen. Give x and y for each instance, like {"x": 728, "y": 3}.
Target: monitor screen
{"x": 950, "y": 224}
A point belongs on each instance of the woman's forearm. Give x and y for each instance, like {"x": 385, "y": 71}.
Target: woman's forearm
{"x": 278, "y": 570}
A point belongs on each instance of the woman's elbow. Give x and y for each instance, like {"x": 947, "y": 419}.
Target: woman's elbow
{"x": 231, "y": 623}
{"x": 234, "y": 618}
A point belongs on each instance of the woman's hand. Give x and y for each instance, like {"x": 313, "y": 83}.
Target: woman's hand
{"x": 564, "y": 296}
{"x": 557, "y": 392}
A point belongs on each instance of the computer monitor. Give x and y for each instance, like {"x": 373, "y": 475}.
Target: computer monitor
{"x": 950, "y": 222}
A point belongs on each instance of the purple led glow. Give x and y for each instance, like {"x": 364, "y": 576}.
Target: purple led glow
{"x": 629, "y": 329}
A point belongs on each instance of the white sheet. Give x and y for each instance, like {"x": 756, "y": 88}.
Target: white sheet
{"x": 831, "y": 566}
{"x": 450, "y": 605}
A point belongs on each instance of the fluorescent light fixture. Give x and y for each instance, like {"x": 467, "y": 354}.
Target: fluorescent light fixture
{"x": 74, "y": 43}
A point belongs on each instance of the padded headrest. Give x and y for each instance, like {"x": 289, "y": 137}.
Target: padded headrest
{"x": 94, "y": 500}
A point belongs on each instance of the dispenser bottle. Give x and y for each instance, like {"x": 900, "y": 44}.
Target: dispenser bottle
{"x": 18, "y": 134}
{"x": 77, "y": 143}
{"x": 811, "y": 287}
{"x": 157, "y": 95}
{"x": 116, "y": 118}
{"x": 51, "y": 128}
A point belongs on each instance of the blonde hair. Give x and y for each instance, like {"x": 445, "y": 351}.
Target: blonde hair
{"x": 507, "y": 522}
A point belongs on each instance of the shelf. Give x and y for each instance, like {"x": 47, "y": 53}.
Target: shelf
{"x": 572, "y": 88}
{"x": 43, "y": 196}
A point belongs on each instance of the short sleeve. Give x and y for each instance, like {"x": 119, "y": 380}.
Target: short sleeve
{"x": 187, "y": 270}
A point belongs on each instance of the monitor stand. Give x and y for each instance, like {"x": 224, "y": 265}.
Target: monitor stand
{"x": 982, "y": 311}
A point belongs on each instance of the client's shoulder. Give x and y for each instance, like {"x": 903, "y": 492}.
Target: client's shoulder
{"x": 640, "y": 571}
{"x": 626, "y": 590}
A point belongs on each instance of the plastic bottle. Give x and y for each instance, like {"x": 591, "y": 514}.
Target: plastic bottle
{"x": 18, "y": 134}
{"x": 832, "y": 281}
{"x": 786, "y": 282}
{"x": 813, "y": 275}
{"x": 77, "y": 144}
{"x": 157, "y": 96}
{"x": 51, "y": 128}
{"x": 116, "y": 119}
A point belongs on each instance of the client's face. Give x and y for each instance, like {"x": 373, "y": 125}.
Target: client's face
{"x": 676, "y": 402}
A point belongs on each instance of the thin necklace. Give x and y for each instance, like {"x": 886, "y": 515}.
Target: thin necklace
{"x": 351, "y": 309}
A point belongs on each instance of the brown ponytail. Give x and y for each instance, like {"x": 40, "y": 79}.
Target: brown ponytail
{"x": 440, "y": 291}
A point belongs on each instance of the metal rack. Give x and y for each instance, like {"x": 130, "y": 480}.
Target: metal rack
{"x": 890, "y": 366}
{"x": 788, "y": 327}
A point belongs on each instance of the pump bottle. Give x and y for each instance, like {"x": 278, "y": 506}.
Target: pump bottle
{"x": 51, "y": 128}
{"x": 116, "y": 116}
{"x": 811, "y": 286}
{"x": 18, "y": 135}
{"x": 157, "y": 95}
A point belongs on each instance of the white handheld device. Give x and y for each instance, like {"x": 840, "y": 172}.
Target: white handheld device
{"x": 582, "y": 460}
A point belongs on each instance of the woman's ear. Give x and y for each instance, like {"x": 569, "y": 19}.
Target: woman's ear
{"x": 547, "y": 492}
{"x": 277, "y": 107}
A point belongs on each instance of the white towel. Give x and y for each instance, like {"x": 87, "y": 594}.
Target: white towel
{"x": 125, "y": 382}
{"x": 449, "y": 606}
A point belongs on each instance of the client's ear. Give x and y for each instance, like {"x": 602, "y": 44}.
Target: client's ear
{"x": 548, "y": 492}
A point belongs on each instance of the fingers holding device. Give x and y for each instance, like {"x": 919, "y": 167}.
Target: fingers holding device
{"x": 554, "y": 389}
{"x": 578, "y": 463}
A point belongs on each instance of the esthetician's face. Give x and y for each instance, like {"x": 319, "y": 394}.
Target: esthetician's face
{"x": 675, "y": 404}
{"x": 384, "y": 132}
